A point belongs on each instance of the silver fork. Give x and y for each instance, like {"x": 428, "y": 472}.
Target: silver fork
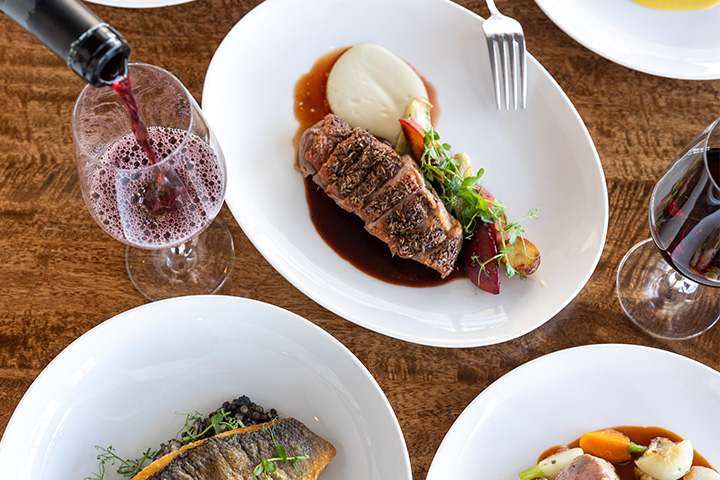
{"x": 506, "y": 44}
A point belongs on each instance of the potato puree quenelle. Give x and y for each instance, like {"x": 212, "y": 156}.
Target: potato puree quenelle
{"x": 371, "y": 87}
{"x": 678, "y": 4}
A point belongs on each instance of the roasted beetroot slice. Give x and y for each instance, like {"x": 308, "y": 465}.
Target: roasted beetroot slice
{"x": 475, "y": 253}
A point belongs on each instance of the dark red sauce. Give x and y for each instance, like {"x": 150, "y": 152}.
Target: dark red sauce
{"x": 310, "y": 104}
{"x": 638, "y": 435}
{"x": 344, "y": 232}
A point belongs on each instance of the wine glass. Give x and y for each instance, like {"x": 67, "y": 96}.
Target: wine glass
{"x": 668, "y": 285}
{"x": 155, "y": 180}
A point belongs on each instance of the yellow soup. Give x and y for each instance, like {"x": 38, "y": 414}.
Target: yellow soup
{"x": 678, "y": 4}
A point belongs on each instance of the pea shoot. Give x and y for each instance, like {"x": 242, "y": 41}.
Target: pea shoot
{"x": 126, "y": 468}
{"x": 461, "y": 193}
{"x": 267, "y": 465}
{"x": 217, "y": 421}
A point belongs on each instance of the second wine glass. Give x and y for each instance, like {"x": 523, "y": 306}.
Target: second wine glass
{"x": 155, "y": 184}
{"x": 669, "y": 285}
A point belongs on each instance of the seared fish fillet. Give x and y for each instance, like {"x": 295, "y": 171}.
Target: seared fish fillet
{"x": 234, "y": 455}
{"x": 365, "y": 176}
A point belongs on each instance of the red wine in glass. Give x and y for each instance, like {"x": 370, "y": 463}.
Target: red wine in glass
{"x": 165, "y": 192}
{"x": 668, "y": 285}
{"x": 685, "y": 215}
{"x": 119, "y": 195}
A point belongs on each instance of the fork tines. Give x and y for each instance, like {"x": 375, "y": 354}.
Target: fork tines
{"x": 507, "y": 61}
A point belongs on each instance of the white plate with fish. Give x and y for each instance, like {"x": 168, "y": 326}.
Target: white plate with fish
{"x": 668, "y": 43}
{"x": 121, "y": 384}
{"x": 539, "y": 157}
{"x": 556, "y": 398}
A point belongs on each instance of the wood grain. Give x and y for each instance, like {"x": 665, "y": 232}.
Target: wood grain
{"x": 61, "y": 275}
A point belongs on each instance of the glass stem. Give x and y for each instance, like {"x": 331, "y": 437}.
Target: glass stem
{"x": 178, "y": 261}
{"x": 681, "y": 284}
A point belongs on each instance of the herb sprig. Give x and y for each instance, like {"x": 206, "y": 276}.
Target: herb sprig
{"x": 267, "y": 465}
{"x": 217, "y": 421}
{"x": 126, "y": 468}
{"x": 130, "y": 467}
{"x": 460, "y": 192}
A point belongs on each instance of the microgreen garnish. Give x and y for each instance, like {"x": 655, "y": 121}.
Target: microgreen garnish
{"x": 192, "y": 423}
{"x": 267, "y": 465}
{"x": 126, "y": 468}
{"x": 460, "y": 192}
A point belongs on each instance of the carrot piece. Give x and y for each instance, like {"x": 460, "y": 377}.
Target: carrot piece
{"x": 611, "y": 445}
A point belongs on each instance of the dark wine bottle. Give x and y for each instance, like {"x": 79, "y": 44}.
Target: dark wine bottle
{"x": 91, "y": 48}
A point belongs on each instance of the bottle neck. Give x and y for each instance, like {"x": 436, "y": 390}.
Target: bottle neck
{"x": 99, "y": 56}
{"x": 91, "y": 48}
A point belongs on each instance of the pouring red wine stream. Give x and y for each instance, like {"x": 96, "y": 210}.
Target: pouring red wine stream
{"x": 166, "y": 193}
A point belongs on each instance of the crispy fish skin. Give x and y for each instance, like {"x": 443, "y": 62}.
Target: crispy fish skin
{"x": 234, "y": 455}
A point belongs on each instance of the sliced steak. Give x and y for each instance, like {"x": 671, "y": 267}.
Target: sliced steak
{"x": 588, "y": 467}
{"x": 406, "y": 182}
{"x": 320, "y": 142}
{"x": 367, "y": 177}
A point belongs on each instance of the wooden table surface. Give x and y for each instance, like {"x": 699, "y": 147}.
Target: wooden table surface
{"x": 61, "y": 275}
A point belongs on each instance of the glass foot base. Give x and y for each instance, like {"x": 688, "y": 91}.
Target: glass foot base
{"x": 197, "y": 267}
{"x": 659, "y": 300}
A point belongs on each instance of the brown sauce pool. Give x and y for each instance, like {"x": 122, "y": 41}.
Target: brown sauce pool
{"x": 638, "y": 435}
{"x": 344, "y": 232}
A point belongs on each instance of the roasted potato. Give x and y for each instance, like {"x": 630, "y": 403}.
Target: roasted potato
{"x": 524, "y": 256}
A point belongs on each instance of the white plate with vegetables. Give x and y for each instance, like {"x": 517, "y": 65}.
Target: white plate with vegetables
{"x": 670, "y": 43}
{"x": 542, "y": 157}
{"x": 122, "y": 383}
{"x": 557, "y": 398}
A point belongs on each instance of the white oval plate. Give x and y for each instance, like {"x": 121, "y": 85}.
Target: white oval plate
{"x": 674, "y": 44}
{"x": 539, "y": 157}
{"x": 121, "y": 383}
{"x": 556, "y": 398}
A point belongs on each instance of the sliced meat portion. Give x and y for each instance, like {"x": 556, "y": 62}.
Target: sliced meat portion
{"x": 588, "y": 467}
{"x": 367, "y": 177}
{"x": 386, "y": 167}
{"x": 447, "y": 252}
{"x": 345, "y": 167}
{"x": 377, "y": 164}
{"x": 406, "y": 182}
{"x": 317, "y": 148}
